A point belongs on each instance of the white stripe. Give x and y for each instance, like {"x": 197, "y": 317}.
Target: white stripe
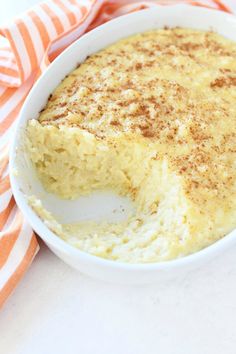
{"x": 17, "y": 254}
{"x": 6, "y": 54}
{"x": 4, "y": 152}
{"x": 4, "y": 41}
{"x": 75, "y": 9}
{"x": 231, "y": 4}
{"x": 5, "y": 173}
{"x": 69, "y": 38}
{"x": 21, "y": 49}
{"x": 47, "y": 22}
{"x": 14, "y": 99}
{"x": 5, "y": 199}
{"x": 86, "y": 3}
{"x": 8, "y": 63}
{"x": 9, "y": 220}
{"x": 43, "y": 65}
{"x": 61, "y": 15}
{"x": 9, "y": 80}
{"x": 36, "y": 39}
{"x": 6, "y": 137}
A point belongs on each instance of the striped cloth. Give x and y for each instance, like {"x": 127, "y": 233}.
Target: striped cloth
{"x": 27, "y": 46}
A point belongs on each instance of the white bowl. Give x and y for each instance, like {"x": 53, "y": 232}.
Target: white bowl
{"x": 26, "y": 183}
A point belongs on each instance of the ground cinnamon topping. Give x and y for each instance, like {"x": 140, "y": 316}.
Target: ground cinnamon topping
{"x": 158, "y": 86}
{"x": 224, "y": 81}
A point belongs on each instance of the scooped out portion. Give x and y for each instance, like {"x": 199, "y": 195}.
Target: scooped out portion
{"x": 151, "y": 117}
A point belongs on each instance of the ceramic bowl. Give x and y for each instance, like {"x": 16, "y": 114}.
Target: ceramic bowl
{"x": 26, "y": 183}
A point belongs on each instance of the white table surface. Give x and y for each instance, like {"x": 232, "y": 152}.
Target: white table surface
{"x": 56, "y": 310}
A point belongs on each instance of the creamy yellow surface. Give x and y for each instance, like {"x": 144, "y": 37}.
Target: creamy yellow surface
{"x": 153, "y": 117}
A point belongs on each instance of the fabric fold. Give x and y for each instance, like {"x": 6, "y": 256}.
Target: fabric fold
{"x": 31, "y": 35}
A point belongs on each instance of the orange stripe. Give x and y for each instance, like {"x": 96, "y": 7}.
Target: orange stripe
{"x": 6, "y": 212}
{"x": 3, "y": 164}
{"x": 218, "y": 5}
{"x": 110, "y": 9}
{"x": 7, "y": 33}
{"x": 57, "y": 23}
{"x": 8, "y": 71}
{"x": 20, "y": 270}
{"x": 10, "y": 118}
{"x": 222, "y": 6}
{"x": 55, "y": 53}
{"x": 41, "y": 28}
{"x": 6, "y": 95}
{"x": 4, "y": 184}
{"x": 28, "y": 43}
{"x": 9, "y": 238}
{"x": 84, "y": 10}
{"x": 196, "y": 3}
{"x": 75, "y": 3}
{"x": 71, "y": 17}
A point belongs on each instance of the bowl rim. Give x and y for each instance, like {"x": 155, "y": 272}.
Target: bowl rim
{"x": 55, "y": 241}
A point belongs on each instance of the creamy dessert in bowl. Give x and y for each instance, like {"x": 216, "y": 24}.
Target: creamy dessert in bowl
{"x": 151, "y": 117}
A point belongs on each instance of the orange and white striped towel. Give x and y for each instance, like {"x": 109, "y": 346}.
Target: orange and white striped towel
{"x": 27, "y": 46}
